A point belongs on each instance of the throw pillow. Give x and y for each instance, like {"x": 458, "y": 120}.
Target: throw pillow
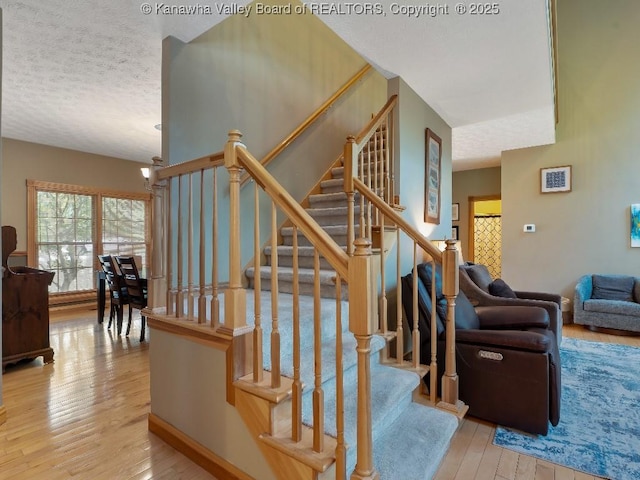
{"x": 613, "y": 287}
{"x": 499, "y": 288}
{"x": 480, "y": 275}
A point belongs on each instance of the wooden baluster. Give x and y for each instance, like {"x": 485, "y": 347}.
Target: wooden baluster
{"x": 202, "y": 299}
{"x": 235, "y": 297}
{"x": 385, "y": 149}
{"x": 275, "y": 332}
{"x": 341, "y": 448}
{"x": 215, "y": 302}
{"x": 416, "y": 332}
{"x": 391, "y": 141}
{"x": 296, "y": 392}
{"x": 171, "y": 310}
{"x": 433, "y": 367}
{"x": 258, "y": 370}
{"x": 180, "y": 294}
{"x": 350, "y": 163}
{"x": 190, "y": 249}
{"x": 370, "y": 185}
{"x": 375, "y": 171}
{"x": 318, "y": 393}
{"x": 399, "y": 327}
{"x": 362, "y": 206}
{"x": 383, "y": 288}
{"x": 361, "y": 324}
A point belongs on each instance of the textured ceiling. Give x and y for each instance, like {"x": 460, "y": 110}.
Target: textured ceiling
{"x": 85, "y": 75}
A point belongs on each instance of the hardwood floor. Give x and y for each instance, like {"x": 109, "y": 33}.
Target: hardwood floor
{"x": 85, "y": 417}
{"x": 472, "y": 455}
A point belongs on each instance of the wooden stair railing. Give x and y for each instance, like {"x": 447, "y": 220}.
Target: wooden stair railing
{"x": 300, "y": 129}
{"x": 373, "y": 183}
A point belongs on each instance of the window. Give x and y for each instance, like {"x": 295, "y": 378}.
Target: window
{"x": 70, "y": 225}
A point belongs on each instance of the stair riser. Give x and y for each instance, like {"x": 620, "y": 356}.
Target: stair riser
{"x": 284, "y": 286}
{"x": 327, "y": 220}
{"x": 303, "y": 242}
{"x": 338, "y": 173}
{"x": 286, "y": 260}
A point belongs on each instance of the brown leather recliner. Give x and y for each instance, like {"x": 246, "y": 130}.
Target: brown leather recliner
{"x": 478, "y": 285}
{"x": 507, "y": 358}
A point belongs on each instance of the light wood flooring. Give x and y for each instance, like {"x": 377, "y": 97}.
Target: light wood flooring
{"x": 85, "y": 417}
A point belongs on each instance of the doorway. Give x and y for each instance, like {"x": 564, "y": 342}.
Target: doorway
{"x": 485, "y": 232}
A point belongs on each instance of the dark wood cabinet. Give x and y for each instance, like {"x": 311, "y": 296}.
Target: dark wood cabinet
{"x": 25, "y": 308}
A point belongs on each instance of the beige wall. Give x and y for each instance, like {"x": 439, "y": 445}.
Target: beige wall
{"x": 586, "y": 230}
{"x": 472, "y": 183}
{"x": 263, "y": 75}
{"x": 31, "y": 161}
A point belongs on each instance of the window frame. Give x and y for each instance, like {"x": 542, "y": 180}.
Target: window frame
{"x": 35, "y": 186}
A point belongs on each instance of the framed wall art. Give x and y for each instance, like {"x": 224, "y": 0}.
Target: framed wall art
{"x": 555, "y": 179}
{"x": 454, "y": 232}
{"x": 635, "y": 225}
{"x": 455, "y": 212}
{"x": 433, "y": 156}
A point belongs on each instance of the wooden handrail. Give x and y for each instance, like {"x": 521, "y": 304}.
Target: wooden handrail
{"x": 391, "y": 214}
{"x": 336, "y": 257}
{"x": 309, "y": 121}
{"x": 202, "y": 163}
{"x": 375, "y": 122}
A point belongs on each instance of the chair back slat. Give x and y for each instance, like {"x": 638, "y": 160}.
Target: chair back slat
{"x": 131, "y": 279}
{"x": 112, "y": 277}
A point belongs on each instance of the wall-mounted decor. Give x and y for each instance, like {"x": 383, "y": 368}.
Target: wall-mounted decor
{"x": 555, "y": 179}
{"x": 454, "y": 232}
{"x": 455, "y": 212}
{"x": 635, "y": 225}
{"x": 432, "y": 181}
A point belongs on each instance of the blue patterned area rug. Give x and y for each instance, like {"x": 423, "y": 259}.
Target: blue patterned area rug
{"x": 599, "y": 429}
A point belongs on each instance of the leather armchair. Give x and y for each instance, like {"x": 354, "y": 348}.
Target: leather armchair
{"x": 507, "y": 358}
{"x": 475, "y": 282}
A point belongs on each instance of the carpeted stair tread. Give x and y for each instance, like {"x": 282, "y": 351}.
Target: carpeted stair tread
{"x": 305, "y": 275}
{"x": 331, "y": 211}
{"x": 413, "y": 446}
{"x": 303, "y": 250}
{"x": 391, "y": 394}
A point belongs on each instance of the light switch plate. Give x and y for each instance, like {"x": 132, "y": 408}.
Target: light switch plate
{"x": 529, "y": 228}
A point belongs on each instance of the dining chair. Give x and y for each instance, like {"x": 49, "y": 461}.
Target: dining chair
{"x": 118, "y": 292}
{"x": 137, "y": 288}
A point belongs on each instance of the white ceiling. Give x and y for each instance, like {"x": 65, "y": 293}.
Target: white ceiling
{"x": 85, "y": 75}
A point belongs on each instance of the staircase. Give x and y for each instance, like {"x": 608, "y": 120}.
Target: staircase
{"x": 304, "y": 358}
{"x": 410, "y": 439}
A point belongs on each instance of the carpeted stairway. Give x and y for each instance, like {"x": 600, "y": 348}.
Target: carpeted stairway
{"x": 410, "y": 439}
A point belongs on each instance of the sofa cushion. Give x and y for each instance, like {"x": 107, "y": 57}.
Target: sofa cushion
{"x": 499, "y": 288}
{"x": 613, "y": 287}
{"x": 479, "y": 275}
{"x": 617, "y": 307}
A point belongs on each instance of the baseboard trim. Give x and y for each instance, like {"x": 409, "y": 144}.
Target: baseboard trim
{"x": 3, "y": 414}
{"x": 197, "y": 453}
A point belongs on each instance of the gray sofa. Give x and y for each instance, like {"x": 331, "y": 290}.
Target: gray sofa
{"x": 608, "y": 301}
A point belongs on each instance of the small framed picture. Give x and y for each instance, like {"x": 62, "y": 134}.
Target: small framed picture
{"x": 455, "y": 212}
{"x": 555, "y": 179}
{"x": 454, "y": 232}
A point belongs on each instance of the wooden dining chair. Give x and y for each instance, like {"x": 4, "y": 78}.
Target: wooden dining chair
{"x": 137, "y": 288}
{"x": 118, "y": 292}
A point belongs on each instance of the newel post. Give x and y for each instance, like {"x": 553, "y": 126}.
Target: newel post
{"x": 235, "y": 298}
{"x": 450, "y": 289}
{"x": 157, "y": 281}
{"x": 362, "y": 324}
{"x": 350, "y": 160}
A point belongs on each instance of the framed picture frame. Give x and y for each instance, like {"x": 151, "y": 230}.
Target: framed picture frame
{"x": 455, "y": 232}
{"x": 555, "y": 179}
{"x": 635, "y": 225}
{"x": 455, "y": 212}
{"x": 432, "y": 179}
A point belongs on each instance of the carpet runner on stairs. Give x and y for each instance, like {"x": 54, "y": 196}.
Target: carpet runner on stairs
{"x": 410, "y": 439}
